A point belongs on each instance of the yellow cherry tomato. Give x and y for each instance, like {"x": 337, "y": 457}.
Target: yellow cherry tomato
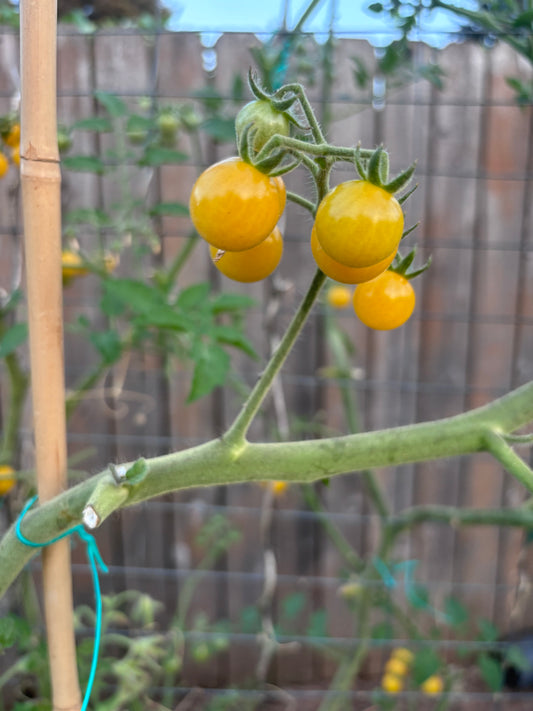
{"x": 7, "y": 480}
{"x": 391, "y": 684}
{"x": 250, "y": 264}
{"x": 4, "y": 165}
{"x": 384, "y": 303}
{"x": 278, "y": 487}
{"x": 433, "y": 685}
{"x": 15, "y": 156}
{"x": 234, "y": 206}
{"x": 12, "y": 138}
{"x": 72, "y": 266}
{"x": 359, "y": 224}
{"x": 340, "y": 272}
{"x": 404, "y": 654}
{"x": 338, "y": 297}
{"x": 397, "y": 667}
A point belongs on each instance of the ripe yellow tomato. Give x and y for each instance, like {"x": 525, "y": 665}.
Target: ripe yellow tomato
{"x": 359, "y": 224}
{"x": 278, "y": 487}
{"x": 384, "y": 303}
{"x": 433, "y": 685}
{"x": 250, "y": 264}
{"x": 404, "y": 654}
{"x": 234, "y": 206}
{"x": 338, "y": 297}
{"x": 4, "y": 165}
{"x": 12, "y": 138}
{"x": 391, "y": 684}
{"x": 340, "y": 272}
{"x": 396, "y": 666}
{"x": 7, "y": 480}
{"x": 71, "y": 266}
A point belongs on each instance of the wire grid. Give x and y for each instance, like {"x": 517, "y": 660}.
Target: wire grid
{"x": 408, "y": 376}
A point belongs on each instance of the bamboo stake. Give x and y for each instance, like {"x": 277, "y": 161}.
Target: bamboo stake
{"x": 41, "y": 208}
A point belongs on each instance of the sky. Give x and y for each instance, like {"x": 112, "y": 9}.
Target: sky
{"x": 350, "y": 18}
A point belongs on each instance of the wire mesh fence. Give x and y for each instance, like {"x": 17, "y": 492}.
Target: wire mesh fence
{"x": 285, "y": 572}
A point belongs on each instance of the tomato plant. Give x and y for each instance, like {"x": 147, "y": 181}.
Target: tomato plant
{"x": 250, "y": 264}
{"x": 340, "y": 272}
{"x": 264, "y": 122}
{"x": 385, "y": 302}
{"x": 359, "y": 224}
{"x": 234, "y": 206}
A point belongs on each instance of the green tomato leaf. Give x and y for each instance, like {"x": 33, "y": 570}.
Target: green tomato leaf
{"x": 514, "y": 656}
{"x": 234, "y": 337}
{"x": 138, "y": 123}
{"x": 456, "y": 613}
{"x": 231, "y": 302}
{"x": 84, "y": 164}
{"x": 112, "y": 104}
{"x": 382, "y": 630}
{"x": 293, "y": 605}
{"x": 108, "y": 345}
{"x": 211, "y": 366}
{"x": 221, "y": 129}
{"x": 95, "y": 123}
{"x": 425, "y": 663}
{"x": 87, "y": 216}
{"x": 157, "y": 155}
{"x": 491, "y": 671}
{"x": 317, "y": 626}
{"x": 15, "y": 336}
{"x": 174, "y": 209}
{"x": 194, "y": 297}
{"x": 487, "y": 631}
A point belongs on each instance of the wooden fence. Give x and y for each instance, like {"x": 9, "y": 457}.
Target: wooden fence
{"x": 471, "y": 337}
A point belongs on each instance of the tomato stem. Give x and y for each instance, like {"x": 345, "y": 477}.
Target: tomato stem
{"x": 236, "y": 434}
{"x": 299, "y": 200}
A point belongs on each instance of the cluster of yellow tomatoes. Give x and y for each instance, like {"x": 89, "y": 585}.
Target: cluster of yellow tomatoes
{"x": 398, "y": 668}
{"x": 355, "y": 236}
{"x": 11, "y": 148}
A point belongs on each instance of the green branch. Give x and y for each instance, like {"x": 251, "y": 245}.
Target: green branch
{"x": 235, "y": 436}
{"x": 216, "y": 463}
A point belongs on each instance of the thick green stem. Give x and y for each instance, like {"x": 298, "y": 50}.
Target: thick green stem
{"x": 215, "y": 463}
{"x": 514, "y": 464}
{"x": 235, "y": 436}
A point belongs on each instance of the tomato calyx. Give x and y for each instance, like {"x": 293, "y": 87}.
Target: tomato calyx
{"x": 375, "y": 170}
{"x": 402, "y": 265}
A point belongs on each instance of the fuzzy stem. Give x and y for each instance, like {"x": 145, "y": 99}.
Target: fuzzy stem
{"x": 235, "y": 436}
{"x": 214, "y": 463}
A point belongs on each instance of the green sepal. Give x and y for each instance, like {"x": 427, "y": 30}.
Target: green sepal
{"x": 374, "y": 167}
{"x": 283, "y": 169}
{"x": 294, "y": 121}
{"x": 360, "y": 167}
{"x": 256, "y": 90}
{"x": 268, "y": 164}
{"x": 407, "y": 195}
{"x": 402, "y": 265}
{"x": 245, "y": 144}
{"x": 383, "y": 167}
{"x": 401, "y": 180}
{"x": 283, "y": 105}
{"x": 409, "y": 230}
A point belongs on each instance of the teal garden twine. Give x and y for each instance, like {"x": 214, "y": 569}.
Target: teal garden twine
{"x": 95, "y": 562}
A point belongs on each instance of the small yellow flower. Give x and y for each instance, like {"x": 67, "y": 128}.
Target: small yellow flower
{"x": 396, "y": 666}
{"x": 391, "y": 684}
{"x": 338, "y": 297}
{"x": 404, "y": 654}
{"x": 7, "y": 480}
{"x": 278, "y": 487}
{"x": 433, "y": 685}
